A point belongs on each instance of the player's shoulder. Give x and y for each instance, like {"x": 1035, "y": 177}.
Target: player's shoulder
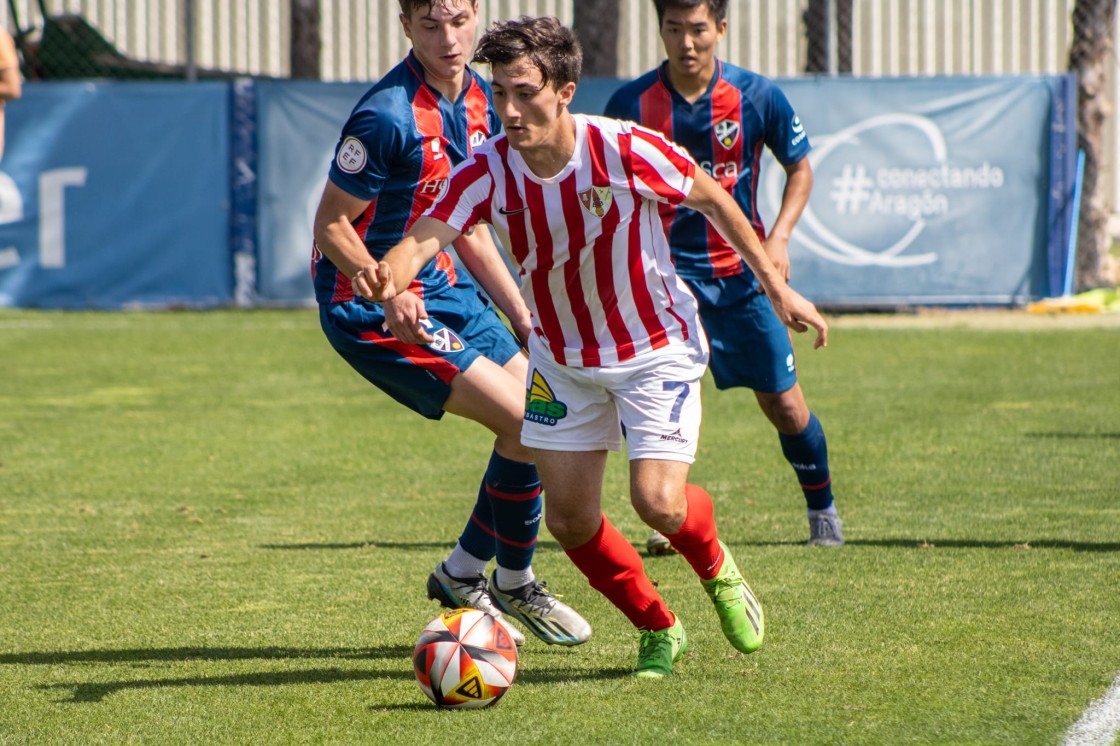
{"x": 628, "y": 94}
{"x": 744, "y": 79}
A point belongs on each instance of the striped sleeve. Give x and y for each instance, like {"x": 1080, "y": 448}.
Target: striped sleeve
{"x": 662, "y": 171}
{"x": 466, "y": 200}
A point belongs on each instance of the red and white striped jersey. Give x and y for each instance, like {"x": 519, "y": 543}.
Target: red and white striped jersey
{"x": 593, "y": 251}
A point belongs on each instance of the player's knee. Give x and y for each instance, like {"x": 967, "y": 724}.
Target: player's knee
{"x": 661, "y": 510}
{"x": 570, "y": 529}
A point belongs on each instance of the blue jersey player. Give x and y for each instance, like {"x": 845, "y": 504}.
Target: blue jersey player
{"x": 441, "y": 347}
{"x": 725, "y": 115}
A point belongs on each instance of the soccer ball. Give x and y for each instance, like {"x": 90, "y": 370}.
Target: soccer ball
{"x": 465, "y": 659}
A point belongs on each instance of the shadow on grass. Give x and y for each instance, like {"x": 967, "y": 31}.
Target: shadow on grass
{"x": 934, "y": 543}
{"x": 372, "y": 544}
{"x": 97, "y": 691}
{"x": 50, "y": 658}
{"x": 1076, "y": 436}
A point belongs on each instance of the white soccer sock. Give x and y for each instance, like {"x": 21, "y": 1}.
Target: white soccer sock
{"x": 509, "y": 580}
{"x": 462, "y": 564}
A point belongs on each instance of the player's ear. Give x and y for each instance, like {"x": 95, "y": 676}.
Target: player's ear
{"x": 567, "y": 92}
{"x": 406, "y": 25}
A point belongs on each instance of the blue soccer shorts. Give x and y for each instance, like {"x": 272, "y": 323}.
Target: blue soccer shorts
{"x": 750, "y": 346}
{"x": 419, "y": 376}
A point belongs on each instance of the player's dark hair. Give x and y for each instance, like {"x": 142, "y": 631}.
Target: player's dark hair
{"x": 549, "y": 45}
{"x": 407, "y": 6}
{"x": 717, "y": 7}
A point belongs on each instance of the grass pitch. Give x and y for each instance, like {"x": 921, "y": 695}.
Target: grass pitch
{"x": 212, "y": 531}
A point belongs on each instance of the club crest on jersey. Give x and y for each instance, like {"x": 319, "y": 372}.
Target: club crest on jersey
{"x": 727, "y": 132}
{"x": 477, "y": 138}
{"x": 351, "y": 156}
{"x": 540, "y": 403}
{"x": 596, "y": 200}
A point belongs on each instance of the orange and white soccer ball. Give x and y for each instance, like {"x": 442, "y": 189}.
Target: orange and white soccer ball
{"x": 465, "y": 659}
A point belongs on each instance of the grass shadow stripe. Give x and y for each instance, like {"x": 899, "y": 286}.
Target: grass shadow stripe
{"x": 135, "y": 655}
{"x": 98, "y": 691}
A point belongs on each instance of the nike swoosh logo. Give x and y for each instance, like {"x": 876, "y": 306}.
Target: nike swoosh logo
{"x": 504, "y": 211}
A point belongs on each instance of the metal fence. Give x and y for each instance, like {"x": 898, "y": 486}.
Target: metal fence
{"x": 361, "y": 39}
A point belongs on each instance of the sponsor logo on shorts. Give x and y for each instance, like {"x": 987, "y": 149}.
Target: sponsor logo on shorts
{"x": 789, "y": 362}
{"x": 446, "y": 341}
{"x": 675, "y": 437}
{"x": 540, "y": 403}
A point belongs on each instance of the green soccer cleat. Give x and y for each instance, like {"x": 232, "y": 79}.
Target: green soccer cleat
{"x": 659, "y": 650}
{"x": 740, "y": 614}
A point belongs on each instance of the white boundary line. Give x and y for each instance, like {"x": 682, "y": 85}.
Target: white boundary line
{"x": 1100, "y": 723}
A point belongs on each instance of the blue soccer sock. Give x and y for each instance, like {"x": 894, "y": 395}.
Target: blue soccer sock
{"x": 807, "y": 453}
{"x": 477, "y": 540}
{"x": 514, "y": 489}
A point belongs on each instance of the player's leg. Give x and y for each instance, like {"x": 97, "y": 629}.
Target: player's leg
{"x": 420, "y": 377}
{"x": 571, "y": 423}
{"x": 491, "y": 391}
{"x": 806, "y": 448}
{"x": 752, "y": 349}
{"x": 660, "y": 405}
{"x": 493, "y": 396}
{"x": 609, "y": 562}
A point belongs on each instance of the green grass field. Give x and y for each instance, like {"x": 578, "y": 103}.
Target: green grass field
{"x": 212, "y": 531}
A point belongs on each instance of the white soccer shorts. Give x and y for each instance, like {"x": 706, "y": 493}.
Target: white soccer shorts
{"x": 654, "y": 399}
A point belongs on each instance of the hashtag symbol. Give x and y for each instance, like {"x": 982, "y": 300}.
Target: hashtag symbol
{"x": 851, "y": 190}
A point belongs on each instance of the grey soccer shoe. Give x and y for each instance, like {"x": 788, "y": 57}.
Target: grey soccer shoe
{"x": 456, "y": 593}
{"x": 546, "y": 616}
{"x": 824, "y": 530}
{"x": 657, "y": 545}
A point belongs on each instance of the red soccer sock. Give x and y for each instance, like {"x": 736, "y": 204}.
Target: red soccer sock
{"x": 613, "y": 568}
{"x": 697, "y": 540}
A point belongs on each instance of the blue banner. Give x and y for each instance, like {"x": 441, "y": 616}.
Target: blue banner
{"x": 928, "y": 190}
{"x": 116, "y": 195}
{"x": 298, "y": 126}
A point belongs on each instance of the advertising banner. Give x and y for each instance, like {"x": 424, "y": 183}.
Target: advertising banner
{"x": 929, "y": 190}
{"x": 116, "y": 195}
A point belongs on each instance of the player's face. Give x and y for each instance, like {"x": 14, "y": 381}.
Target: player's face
{"x": 442, "y": 35}
{"x": 690, "y": 36}
{"x": 530, "y": 112}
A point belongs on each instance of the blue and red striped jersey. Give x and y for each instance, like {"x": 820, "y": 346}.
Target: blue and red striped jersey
{"x": 396, "y": 150}
{"x": 724, "y": 130}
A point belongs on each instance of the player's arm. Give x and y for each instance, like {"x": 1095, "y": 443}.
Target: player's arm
{"x": 335, "y": 236}
{"x": 482, "y": 259}
{"x": 721, "y": 210}
{"x": 384, "y": 280}
{"x": 799, "y": 184}
{"x": 11, "y": 84}
{"x": 334, "y": 232}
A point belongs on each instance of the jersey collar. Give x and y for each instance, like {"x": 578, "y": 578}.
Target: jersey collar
{"x": 663, "y": 75}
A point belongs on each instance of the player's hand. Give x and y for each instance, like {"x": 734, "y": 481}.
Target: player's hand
{"x": 405, "y": 316}
{"x": 799, "y": 314}
{"x": 373, "y": 284}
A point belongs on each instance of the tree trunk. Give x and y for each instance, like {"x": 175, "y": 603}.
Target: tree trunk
{"x": 596, "y": 27}
{"x": 1089, "y": 57}
{"x": 307, "y": 43}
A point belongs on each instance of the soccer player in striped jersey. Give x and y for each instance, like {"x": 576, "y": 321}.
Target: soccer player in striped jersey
{"x": 439, "y": 347}
{"x": 616, "y": 334}
{"x": 724, "y": 116}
